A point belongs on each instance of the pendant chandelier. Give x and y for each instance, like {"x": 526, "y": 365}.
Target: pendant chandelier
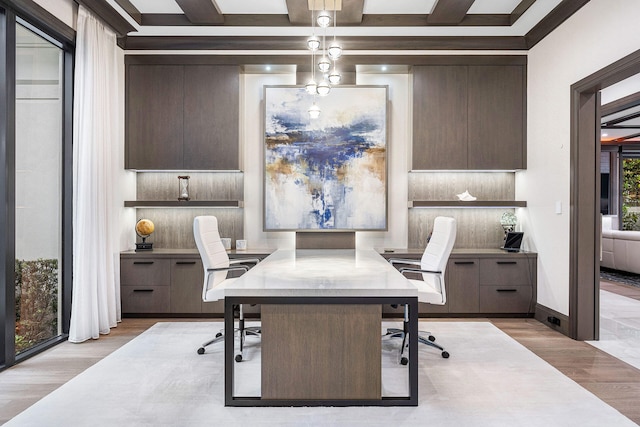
{"x": 327, "y": 64}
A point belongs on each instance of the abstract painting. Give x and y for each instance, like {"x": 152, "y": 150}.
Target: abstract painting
{"x": 327, "y": 173}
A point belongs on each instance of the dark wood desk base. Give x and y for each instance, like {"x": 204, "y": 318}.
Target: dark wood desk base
{"x": 321, "y": 351}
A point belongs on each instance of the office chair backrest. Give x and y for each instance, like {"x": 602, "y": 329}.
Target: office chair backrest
{"x": 212, "y": 251}
{"x": 436, "y": 254}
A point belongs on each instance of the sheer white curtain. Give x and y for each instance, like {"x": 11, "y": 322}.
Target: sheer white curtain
{"x": 96, "y": 282}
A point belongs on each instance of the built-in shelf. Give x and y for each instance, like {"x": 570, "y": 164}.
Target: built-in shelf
{"x": 461, "y": 204}
{"x": 184, "y": 204}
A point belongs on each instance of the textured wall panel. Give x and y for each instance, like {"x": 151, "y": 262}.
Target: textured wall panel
{"x": 202, "y": 185}
{"x": 174, "y": 227}
{"x": 445, "y": 185}
{"x": 476, "y": 228}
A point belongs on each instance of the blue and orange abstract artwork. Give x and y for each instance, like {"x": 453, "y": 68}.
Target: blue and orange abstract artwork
{"x": 327, "y": 173}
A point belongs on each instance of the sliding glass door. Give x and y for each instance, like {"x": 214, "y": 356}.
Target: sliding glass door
{"x": 36, "y": 80}
{"x": 38, "y": 188}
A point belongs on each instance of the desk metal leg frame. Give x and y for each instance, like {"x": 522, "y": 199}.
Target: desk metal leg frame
{"x": 231, "y": 400}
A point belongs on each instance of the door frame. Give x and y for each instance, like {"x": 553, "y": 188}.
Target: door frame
{"x": 584, "y": 245}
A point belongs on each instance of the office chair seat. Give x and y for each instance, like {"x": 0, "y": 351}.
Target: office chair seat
{"x": 427, "y": 291}
{"x": 217, "y": 293}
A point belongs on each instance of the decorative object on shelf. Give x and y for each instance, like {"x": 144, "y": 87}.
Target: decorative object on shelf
{"x": 144, "y": 229}
{"x": 183, "y": 188}
{"x": 466, "y": 197}
{"x": 226, "y": 242}
{"x": 241, "y": 245}
{"x": 508, "y": 221}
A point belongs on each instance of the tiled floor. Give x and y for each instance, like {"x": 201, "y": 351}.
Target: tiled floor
{"x": 619, "y": 326}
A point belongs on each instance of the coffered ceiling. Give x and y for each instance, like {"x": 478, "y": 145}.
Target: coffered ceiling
{"x": 362, "y": 25}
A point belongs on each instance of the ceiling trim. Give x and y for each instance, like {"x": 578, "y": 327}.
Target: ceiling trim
{"x": 621, "y": 104}
{"x": 43, "y": 18}
{"x": 133, "y": 12}
{"x": 297, "y": 43}
{"x": 105, "y": 11}
{"x": 558, "y": 15}
{"x": 346, "y": 63}
{"x": 298, "y": 12}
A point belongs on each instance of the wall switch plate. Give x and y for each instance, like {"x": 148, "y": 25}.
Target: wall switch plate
{"x": 558, "y": 207}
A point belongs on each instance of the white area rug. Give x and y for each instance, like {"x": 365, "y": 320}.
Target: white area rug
{"x": 157, "y": 379}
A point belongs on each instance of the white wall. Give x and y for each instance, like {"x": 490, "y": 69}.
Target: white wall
{"x": 251, "y": 124}
{"x": 64, "y": 10}
{"x": 600, "y": 33}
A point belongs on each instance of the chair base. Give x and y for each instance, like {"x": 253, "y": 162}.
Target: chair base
{"x": 423, "y": 337}
{"x": 250, "y": 331}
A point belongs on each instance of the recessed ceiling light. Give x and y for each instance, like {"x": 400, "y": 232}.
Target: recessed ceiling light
{"x": 268, "y": 67}
{"x": 384, "y": 68}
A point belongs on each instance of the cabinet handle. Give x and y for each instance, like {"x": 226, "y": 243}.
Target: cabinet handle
{"x": 464, "y": 262}
{"x": 506, "y": 290}
{"x": 185, "y": 262}
{"x": 143, "y": 262}
{"x": 143, "y": 290}
{"x": 506, "y": 262}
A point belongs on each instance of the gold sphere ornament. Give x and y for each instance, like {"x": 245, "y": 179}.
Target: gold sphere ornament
{"x": 144, "y": 228}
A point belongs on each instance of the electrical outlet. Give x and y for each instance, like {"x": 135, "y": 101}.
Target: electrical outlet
{"x": 553, "y": 320}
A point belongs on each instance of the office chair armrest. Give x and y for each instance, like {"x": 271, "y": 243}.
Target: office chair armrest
{"x": 404, "y": 261}
{"x": 417, "y": 270}
{"x": 230, "y": 268}
{"x": 244, "y": 261}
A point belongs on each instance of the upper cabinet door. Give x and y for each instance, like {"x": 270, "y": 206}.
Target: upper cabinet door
{"x": 211, "y": 117}
{"x": 497, "y": 112}
{"x": 439, "y": 117}
{"x": 154, "y": 118}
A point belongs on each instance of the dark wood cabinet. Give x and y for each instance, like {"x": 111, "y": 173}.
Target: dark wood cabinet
{"x": 439, "y": 117}
{"x": 154, "y": 119}
{"x": 483, "y": 282}
{"x": 145, "y": 285}
{"x": 211, "y": 117}
{"x": 469, "y": 117}
{"x": 462, "y": 285}
{"x": 496, "y": 117}
{"x": 168, "y": 282}
{"x": 182, "y": 117}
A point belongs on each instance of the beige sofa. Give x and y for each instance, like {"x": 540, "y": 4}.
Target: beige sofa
{"x": 620, "y": 249}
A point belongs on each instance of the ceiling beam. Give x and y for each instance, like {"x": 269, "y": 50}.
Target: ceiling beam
{"x": 449, "y": 12}
{"x": 201, "y": 12}
{"x": 350, "y": 14}
{"x": 520, "y": 10}
{"x": 104, "y": 10}
{"x": 131, "y": 10}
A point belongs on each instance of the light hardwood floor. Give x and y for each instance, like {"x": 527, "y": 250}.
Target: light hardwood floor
{"x": 612, "y": 380}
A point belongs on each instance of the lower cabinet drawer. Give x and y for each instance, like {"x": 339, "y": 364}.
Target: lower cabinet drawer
{"x": 145, "y": 299}
{"x": 505, "y": 299}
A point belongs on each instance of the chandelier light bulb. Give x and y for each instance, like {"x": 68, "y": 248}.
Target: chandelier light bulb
{"x": 313, "y": 43}
{"x": 323, "y": 88}
{"x": 335, "y": 51}
{"x": 335, "y": 77}
{"x": 324, "y": 19}
{"x": 311, "y": 87}
{"x": 314, "y": 111}
{"x": 324, "y": 64}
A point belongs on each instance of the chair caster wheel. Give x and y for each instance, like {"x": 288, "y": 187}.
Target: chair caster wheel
{"x": 219, "y": 334}
{"x": 431, "y": 338}
{"x": 445, "y": 354}
{"x": 201, "y": 350}
{"x": 238, "y": 358}
{"x": 404, "y": 361}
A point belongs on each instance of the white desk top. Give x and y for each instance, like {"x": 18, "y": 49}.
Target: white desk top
{"x": 322, "y": 273}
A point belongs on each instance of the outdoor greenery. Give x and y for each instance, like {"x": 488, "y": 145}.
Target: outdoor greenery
{"x": 631, "y": 194}
{"x": 36, "y": 302}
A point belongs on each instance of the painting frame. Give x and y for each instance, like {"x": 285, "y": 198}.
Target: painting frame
{"x": 327, "y": 174}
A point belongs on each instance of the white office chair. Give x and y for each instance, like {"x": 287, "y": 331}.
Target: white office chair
{"x": 216, "y": 264}
{"x": 431, "y": 289}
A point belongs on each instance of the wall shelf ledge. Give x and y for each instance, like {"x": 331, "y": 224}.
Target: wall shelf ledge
{"x": 461, "y": 204}
{"x": 183, "y": 204}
